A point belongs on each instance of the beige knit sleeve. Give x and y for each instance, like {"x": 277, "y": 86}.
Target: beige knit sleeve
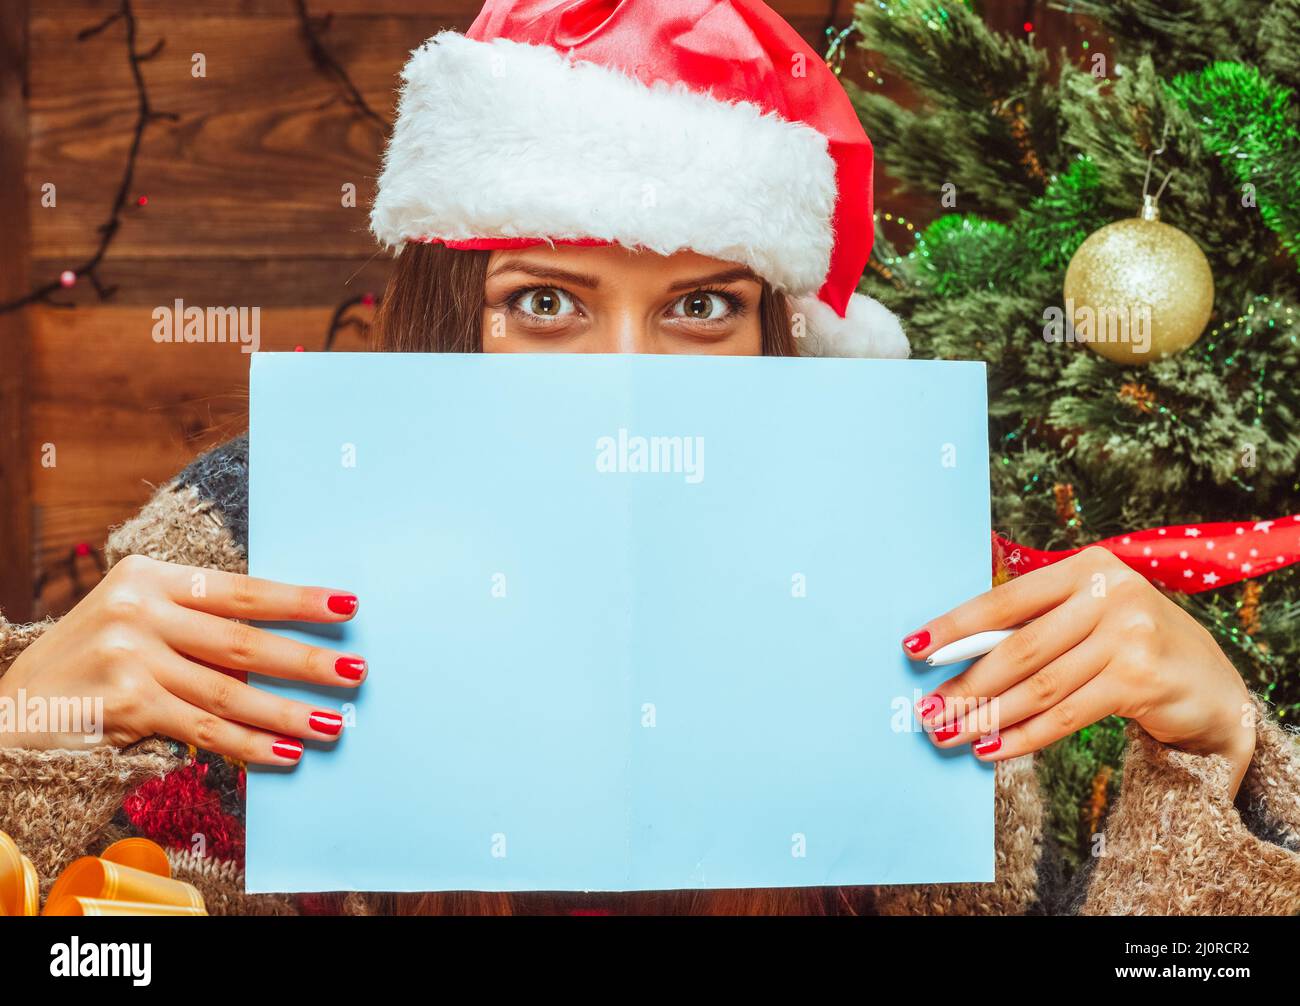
{"x": 1176, "y": 844}
{"x": 55, "y": 804}
{"x": 16, "y": 638}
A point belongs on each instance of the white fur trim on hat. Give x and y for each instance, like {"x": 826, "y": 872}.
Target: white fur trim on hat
{"x": 500, "y": 139}
{"x": 868, "y": 329}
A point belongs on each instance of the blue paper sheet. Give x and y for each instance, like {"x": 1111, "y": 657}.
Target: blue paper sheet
{"x": 589, "y": 676}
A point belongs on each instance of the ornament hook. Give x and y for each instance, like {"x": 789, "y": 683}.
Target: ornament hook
{"x": 1150, "y": 207}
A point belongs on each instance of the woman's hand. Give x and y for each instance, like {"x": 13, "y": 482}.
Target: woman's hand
{"x": 1103, "y": 641}
{"x": 156, "y": 643}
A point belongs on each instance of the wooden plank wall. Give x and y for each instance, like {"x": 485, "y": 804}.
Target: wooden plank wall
{"x": 244, "y": 209}
{"x": 16, "y": 574}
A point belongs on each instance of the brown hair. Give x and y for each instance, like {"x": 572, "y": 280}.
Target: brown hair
{"x": 434, "y": 303}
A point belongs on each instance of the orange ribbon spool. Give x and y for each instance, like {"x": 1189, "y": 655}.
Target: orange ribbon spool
{"x": 132, "y": 877}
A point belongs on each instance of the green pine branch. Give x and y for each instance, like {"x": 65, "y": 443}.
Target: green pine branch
{"x": 989, "y": 122}
{"x": 1082, "y": 448}
{"x": 1250, "y": 123}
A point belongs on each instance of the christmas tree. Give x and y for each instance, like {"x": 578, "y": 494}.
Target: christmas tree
{"x": 1027, "y": 153}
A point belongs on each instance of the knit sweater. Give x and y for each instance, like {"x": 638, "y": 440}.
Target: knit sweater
{"x": 1173, "y": 842}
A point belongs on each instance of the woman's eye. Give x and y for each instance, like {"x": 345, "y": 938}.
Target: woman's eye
{"x": 545, "y": 302}
{"x": 702, "y": 306}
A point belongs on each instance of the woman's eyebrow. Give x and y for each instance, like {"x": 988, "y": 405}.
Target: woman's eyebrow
{"x": 546, "y": 272}
{"x": 718, "y": 278}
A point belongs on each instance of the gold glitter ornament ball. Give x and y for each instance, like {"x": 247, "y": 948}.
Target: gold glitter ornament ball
{"x": 1138, "y": 289}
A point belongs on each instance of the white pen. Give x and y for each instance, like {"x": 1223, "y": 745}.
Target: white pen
{"x": 968, "y": 647}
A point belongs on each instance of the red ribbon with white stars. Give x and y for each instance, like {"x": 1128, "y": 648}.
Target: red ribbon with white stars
{"x": 1187, "y": 558}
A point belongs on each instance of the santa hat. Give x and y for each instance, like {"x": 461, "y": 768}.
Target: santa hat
{"x": 707, "y": 125}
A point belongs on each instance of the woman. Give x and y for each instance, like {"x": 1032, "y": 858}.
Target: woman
{"x": 661, "y": 177}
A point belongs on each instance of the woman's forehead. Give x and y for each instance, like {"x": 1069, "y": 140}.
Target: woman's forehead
{"x": 615, "y": 260}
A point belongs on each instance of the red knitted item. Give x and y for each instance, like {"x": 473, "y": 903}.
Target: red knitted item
{"x": 174, "y": 809}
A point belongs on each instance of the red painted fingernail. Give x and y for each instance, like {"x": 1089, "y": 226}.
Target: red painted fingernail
{"x": 947, "y": 732}
{"x": 929, "y": 706}
{"x": 350, "y": 667}
{"x": 326, "y": 723}
{"x": 917, "y": 641}
{"x": 342, "y": 604}
{"x": 987, "y": 745}
{"x": 287, "y": 747}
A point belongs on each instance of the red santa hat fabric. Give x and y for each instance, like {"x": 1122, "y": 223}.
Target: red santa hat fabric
{"x": 707, "y": 125}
